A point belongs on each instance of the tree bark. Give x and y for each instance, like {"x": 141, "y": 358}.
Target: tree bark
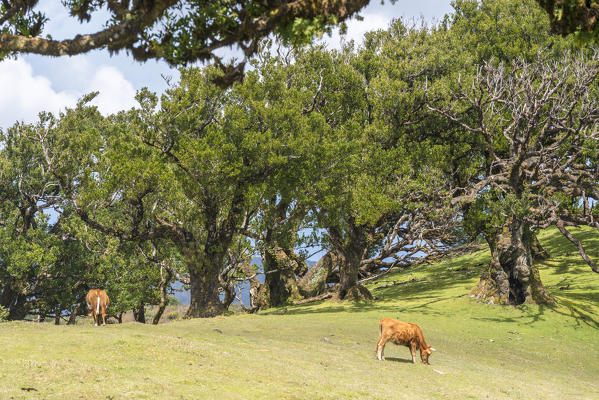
{"x": 139, "y": 313}
{"x": 511, "y": 278}
{"x": 205, "y": 301}
{"x": 18, "y": 310}
{"x": 14, "y": 302}
{"x": 280, "y": 276}
{"x": 205, "y": 260}
{"x": 314, "y": 281}
{"x": 165, "y": 280}
{"x": 228, "y": 288}
{"x": 350, "y": 252}
{"x": 258, "y": 295}
{"x": 538, "y": 252}
{"x": 73, "y": 317}
{"x": 204, "y": 270}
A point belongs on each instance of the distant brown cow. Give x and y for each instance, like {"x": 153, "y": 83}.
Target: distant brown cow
{"x": 97, "y": 301}
{"x": 402, "y": 333}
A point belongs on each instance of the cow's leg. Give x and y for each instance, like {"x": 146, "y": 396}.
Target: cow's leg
{"x": 103, "y": 316}
{"x": 413, "y": 351}
{"x": 380, "y": 349}
{"x": 95, "y": 315}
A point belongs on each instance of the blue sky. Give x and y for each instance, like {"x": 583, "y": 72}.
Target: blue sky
{"x": 31, "y": 84}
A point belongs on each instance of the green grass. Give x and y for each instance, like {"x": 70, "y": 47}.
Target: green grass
{"x": 483, "y": 351}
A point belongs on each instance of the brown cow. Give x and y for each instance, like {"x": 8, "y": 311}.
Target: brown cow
{"x": 402, "y": 333}
{"x": 97, "y": 301}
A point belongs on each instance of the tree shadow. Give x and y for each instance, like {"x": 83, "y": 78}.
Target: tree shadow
{"x": 437, "y": 281}
{"x": 578, "y": 314}
{"x": 337, "y": 307}
{"x": 423, "y": 286}
{"x": 562, "y": 266}
{"x": 575, "y": 312}
{"x": 430, "y": 290}
{"x": 498, "y": 319}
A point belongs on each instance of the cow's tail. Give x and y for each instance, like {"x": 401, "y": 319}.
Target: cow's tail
{"x": 98, "y": 305}
{"x": 379, "y": 338}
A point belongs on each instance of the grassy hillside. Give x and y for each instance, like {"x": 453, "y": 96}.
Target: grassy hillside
{"x": 326, "y": 350}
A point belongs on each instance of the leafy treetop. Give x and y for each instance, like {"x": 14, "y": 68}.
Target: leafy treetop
{"x": 176, "y": 31}
{"x": 573, "y": 16}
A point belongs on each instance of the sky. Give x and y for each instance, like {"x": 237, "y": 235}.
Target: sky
{"x": 31, "y": 84}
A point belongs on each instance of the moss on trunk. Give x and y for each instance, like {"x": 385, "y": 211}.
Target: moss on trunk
{"x": 511, "y": 277}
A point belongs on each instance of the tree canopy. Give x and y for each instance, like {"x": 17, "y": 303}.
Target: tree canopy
{"x": 179, "y": 32}
{"x": 578, "y": 17}
{"x": 379, "y": 156}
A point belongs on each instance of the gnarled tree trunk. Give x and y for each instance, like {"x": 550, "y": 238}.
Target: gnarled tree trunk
{"x": 205, "y": 301}
{"x": 165, "y": 280}
{"x": 350, "y": 251}
{"x": 204, "y": 269}
{"x": 314, "y": 281}
{"x": 139, "y": 313}
{"x": 537, "y": 251}
{"x": 511, "y": 278}
{"x": 280, "y": 270}
{"x": 74, "y": 313}
{"x": 258, "y": 295}
{"x": 14, "y": 302}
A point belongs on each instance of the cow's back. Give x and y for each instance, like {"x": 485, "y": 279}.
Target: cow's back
{"x": 91, "y": 297}
{"x": 401, "y": 333}
{"x": 105, "y": 301}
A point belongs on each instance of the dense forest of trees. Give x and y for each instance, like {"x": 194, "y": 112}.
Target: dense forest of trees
{"x": 420, "y": 140}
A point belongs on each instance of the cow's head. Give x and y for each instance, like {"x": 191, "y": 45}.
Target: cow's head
{"x": 425, "y": 353}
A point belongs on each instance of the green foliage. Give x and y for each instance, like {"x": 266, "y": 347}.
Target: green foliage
{"x": 500, "y": 29}
{"x": 339, "y": 140}
{"x": 3, "y": 314}
{"x": 301, "y": 31}
{"x": 173, "y": 316}
{"x": 179, "y": 32}
{"x": 576, "y": 17}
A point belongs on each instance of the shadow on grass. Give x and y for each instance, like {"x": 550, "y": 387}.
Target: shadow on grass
{"x": 333, "y": 308}
{"x": 564, "y": 253}
{"x": 561, "y": 267}
{"x": 575, "y": 311}
{"x": 558, "y": 245}
{"x": 533, "y": 316}
{"x": 430, "y": 290}
{"x": 420, "y": 288}
{"x": 388, "y": 306}
{"x": 399, "y": 360}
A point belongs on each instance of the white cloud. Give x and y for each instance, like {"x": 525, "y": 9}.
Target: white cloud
{"x": 371, "y": 22}
{"x": 356, "y": 29}
{"x": 24, "y": 94}
{"x": 116, "y": 93}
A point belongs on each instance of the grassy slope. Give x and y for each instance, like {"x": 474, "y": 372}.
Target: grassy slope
{"x": 483, "y": 351}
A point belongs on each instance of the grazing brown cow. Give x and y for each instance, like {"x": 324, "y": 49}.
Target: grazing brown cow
{"x": 402, "y": 333}
{"x": 97, "y": 301}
